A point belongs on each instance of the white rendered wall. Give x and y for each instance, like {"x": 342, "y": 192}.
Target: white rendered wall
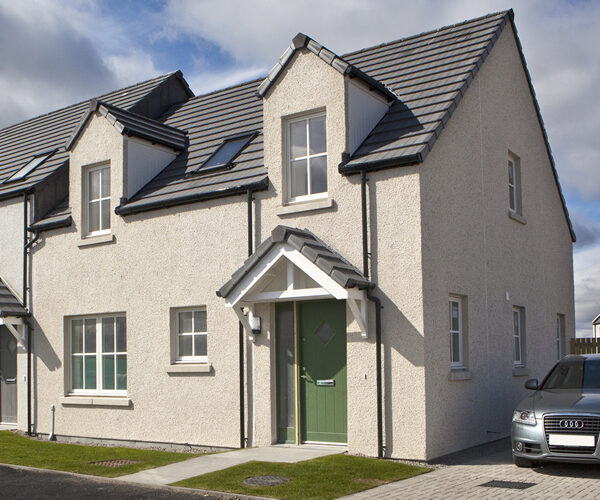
{"x": 144, "y": 161}
{"x": 365, "y": 109}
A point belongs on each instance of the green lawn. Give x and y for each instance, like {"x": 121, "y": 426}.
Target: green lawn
{"x": 326, "y": 477}
{"x": 19, "y": 450}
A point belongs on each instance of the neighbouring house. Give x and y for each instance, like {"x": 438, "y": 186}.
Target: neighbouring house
{"x": 368, "y": 249}
{"x": 596, "y": 327}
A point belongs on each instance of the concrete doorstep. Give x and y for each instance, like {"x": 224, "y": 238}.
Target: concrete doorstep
{"x": 218, "y": 461}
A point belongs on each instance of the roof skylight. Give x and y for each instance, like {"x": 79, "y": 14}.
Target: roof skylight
{"x": 228, "y": 150}
{"x": 31, "y": 165}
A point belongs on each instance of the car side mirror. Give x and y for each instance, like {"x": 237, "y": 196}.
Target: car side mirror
{"x": 532, "y": 384}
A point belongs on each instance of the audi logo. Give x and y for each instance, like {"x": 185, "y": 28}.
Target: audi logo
{"x": 571, "y": 424}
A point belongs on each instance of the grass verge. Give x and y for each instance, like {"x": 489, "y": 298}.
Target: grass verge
{"x": 19, "y": 450}
{"x": 323, "y": 478}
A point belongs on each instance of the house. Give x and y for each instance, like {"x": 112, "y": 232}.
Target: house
{"x": 596, "y": 327}
{"x": 369, "y": 249}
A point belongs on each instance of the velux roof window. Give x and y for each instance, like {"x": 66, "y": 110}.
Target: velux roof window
{"x": 223, "y": 156}
{"x": 26, "y": 169}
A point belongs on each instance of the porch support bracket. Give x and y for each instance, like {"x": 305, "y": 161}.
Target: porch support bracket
{"x": 14, "y": 325}
{"x": 359, "y": 311}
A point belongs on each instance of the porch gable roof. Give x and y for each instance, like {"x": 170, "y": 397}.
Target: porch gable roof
{"x": 310, "y": 246}
{"x": 9, "y": 304}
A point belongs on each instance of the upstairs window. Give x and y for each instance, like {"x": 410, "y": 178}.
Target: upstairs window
{"x": 514, "y": 185}
{"x": 29, "y": 167}
{"x": 307, "y": 158}
{"x": 97, "y": 191}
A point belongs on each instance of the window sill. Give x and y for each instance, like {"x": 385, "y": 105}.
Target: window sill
{"x": 460, "y": 374}
{"x": 305, "y": 206}
{"x": 190, "y": 368}
{"x": 96, "y": 240}
{"x": 520, "y": 371}
{"x": 518, "y": 217}
{"x": 95, "y": 401}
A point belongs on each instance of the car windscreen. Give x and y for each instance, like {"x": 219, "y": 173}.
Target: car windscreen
{"x": 577, "y": 373}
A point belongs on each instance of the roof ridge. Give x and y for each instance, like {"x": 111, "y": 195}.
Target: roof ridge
{"x": 403, "y": 39}
{"x": 164, "y": 76}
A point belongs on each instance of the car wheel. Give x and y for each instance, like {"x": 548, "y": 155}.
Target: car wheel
{"x": 524, "y": 462}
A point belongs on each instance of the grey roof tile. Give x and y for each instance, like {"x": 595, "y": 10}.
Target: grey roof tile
{"x": 313, "y": 248}
{"x": 9, "y": 304}
{"x": 20, "y": 142}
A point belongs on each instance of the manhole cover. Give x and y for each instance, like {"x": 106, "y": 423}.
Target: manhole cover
{"x": 265, "y": 480}
{"x": 514, "y": 485}
{"x": 115, "y": 463}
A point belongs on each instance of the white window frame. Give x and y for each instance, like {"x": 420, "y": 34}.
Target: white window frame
{"x": 193, "y": 333}
{"x": 308, "y": 157}
{"x": 515, "y": 202}
{"x": 518, "y": 335}
{"x": 99, "y": 200}
{"x": 459, "y": 332}
{"x": 98, "y": 353}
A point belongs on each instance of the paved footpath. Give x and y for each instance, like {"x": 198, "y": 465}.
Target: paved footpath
{"x": 209, "y": 463}
{"x": 463, "y": 476}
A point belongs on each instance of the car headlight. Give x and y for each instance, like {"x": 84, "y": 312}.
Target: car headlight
{"x": 524, "y": 417}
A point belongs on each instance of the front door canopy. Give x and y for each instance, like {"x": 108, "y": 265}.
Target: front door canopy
{"x": 12, "y": 313}
{"x": 293, "y": 264}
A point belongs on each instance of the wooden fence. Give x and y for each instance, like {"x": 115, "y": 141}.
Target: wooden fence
{"x": 585, "y": 346}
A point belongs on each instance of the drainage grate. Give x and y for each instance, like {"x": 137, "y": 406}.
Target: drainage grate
{"x": 115, "y": 463}
{"x": 265, "y": 480}
{"x": 513, "y": 485}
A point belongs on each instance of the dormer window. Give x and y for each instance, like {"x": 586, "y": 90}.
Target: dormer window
{"x": 97, "y": 189}
{"x": 307, "y": 158}
{"x": 29, "y": 167}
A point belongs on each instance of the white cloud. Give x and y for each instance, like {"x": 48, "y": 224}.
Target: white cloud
{"x": 587, "y": 290}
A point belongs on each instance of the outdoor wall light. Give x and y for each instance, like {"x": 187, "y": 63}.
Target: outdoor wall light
{"x": 254, "y": 323}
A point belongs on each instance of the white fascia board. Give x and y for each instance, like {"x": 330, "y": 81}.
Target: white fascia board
{"x": 330, "y": 286}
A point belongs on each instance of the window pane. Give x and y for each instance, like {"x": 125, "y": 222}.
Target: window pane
{"x": 108, "y": 334}
{"x": 94, "y": 185}
{"x": 511, "y": 173}
{"x": 90, "y": 335}
{"x": 455, "y": 347}
{"x": 318, "y": 174}
{"x": 516, "y": 322}
{"x": 299, "y": 178}
{"x": 108, "y": 372}
{"x": 121, "y": 372}
{"x": 185, "y": 345}
{"x": 90, "y": 372}
{"x": 317, "y": 135}
{"x": 105, "y": 207}
{"x": 517, "y": 349}
{"x": 298, "y": 139}
{"x": 77, "y": 332}
{"x": 94, "y": 217}
{"x": 185, "y": 322}
{"x": 454, "y": 317}
{"x": 105, "y": 182}
{"x": 77, "y": 372}
{"x": 200, "y": 345}
{"x": 199, "y": 321}
{"x": 511, "y": 193}
{"x": 121, "y": 334}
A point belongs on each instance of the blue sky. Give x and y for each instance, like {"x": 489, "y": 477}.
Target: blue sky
{"x": 53, "y": 54}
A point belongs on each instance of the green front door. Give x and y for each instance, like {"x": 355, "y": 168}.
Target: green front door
{"x": 311, "y": 371}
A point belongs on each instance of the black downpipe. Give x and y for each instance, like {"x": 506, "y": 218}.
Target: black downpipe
{"x": 241, "y": 337}
{"x": 378, "y": 307}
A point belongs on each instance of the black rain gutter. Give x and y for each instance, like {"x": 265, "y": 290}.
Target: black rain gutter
{"x": 378, "y": 307}
{"x": 29, "y": 336}
{"x": 371, "y": 166}
{"x": 255, "y": 186}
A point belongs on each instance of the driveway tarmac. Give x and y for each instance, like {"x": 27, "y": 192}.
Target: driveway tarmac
{"x": 488, "y": 472}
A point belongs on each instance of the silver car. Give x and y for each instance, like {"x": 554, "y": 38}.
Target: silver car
{"x": 560, "y": 421}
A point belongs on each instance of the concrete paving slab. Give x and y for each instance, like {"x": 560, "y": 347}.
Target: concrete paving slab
{"x": 209, "y": 463}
